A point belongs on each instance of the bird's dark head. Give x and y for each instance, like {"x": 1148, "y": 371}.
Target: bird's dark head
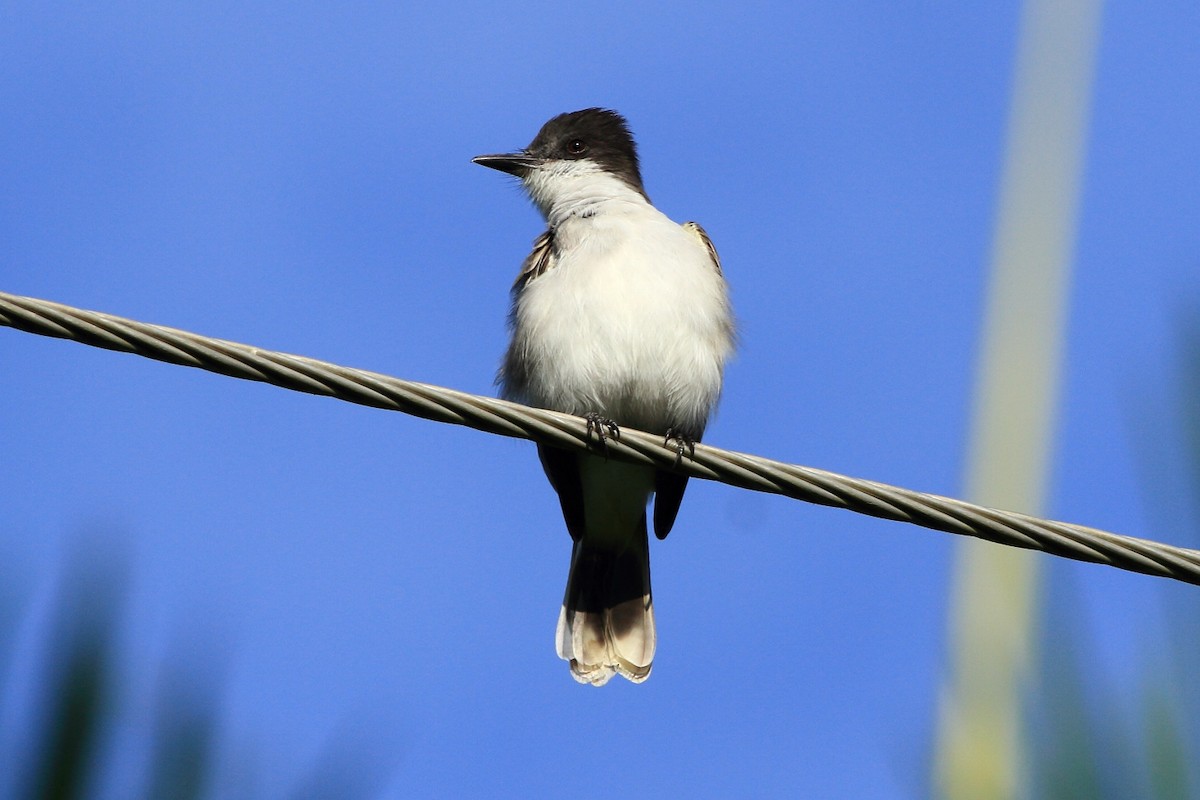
{"x": 575, "y": 144}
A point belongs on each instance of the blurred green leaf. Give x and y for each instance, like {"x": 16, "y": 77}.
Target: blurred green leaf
{"x": 78, "y": 706}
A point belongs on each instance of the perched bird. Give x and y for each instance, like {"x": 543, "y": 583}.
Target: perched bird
{"x": 622, "y": 316}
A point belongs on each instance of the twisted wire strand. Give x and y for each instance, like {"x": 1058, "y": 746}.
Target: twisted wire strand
{"x": 563, "y": 430}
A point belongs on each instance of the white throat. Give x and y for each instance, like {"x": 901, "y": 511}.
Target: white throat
{"x": 565, "y": 189}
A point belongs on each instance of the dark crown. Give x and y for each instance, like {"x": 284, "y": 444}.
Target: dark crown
{"x": 596, "y": 134}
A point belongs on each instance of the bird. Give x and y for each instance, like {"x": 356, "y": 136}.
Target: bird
{"x": 622, "y": 316}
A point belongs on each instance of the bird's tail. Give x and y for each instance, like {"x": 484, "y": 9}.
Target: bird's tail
{"x": 607, "y": 620}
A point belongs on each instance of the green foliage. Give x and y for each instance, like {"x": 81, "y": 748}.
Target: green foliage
{"x": 1095, "y": 739}
{"x": 77, "y": 683}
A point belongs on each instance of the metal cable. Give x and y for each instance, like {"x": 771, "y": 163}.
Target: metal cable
{"x": 562, "y": 430}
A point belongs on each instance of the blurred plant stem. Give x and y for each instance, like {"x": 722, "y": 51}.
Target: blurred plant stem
{"x": 980, "y": 751}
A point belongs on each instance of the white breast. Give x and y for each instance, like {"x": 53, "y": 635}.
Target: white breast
{"x": 633, "y": 322}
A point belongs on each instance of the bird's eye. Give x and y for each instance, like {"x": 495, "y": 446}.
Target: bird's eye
{"x": 576, "y": 147}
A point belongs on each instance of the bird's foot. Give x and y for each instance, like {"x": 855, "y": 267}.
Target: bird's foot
{"x": 682, "y": 442}
{"x": 604, "y": 429}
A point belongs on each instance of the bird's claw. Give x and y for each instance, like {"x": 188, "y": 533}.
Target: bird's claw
{"x": 604, "y": 429}
{"x": 682, "y": 442}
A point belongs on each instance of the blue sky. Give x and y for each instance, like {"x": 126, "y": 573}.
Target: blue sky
{"x": 299, "y": 178}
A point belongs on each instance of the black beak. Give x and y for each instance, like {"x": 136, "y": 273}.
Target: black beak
{"x": 513, "y": 163}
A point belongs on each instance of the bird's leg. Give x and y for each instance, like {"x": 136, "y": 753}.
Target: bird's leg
{"x": 604, "y": 428}
{"x": 683, "y": 441}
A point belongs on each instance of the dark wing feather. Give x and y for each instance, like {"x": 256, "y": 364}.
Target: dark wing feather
{"x": 562, "y": 468}
{"x": 695, "y": 229}
{"x": 668, "y": 494}
{"x": 542, "y": 259}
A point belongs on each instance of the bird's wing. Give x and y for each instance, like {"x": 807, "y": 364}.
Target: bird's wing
{"x": 668, "y": 495}
{"x": 670, "y": 486}
{"x": 695, "y": 230}
{"x": 512, "y": 376}
{"x": 541, "y": 260}
{"x": 562, "y": 468}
